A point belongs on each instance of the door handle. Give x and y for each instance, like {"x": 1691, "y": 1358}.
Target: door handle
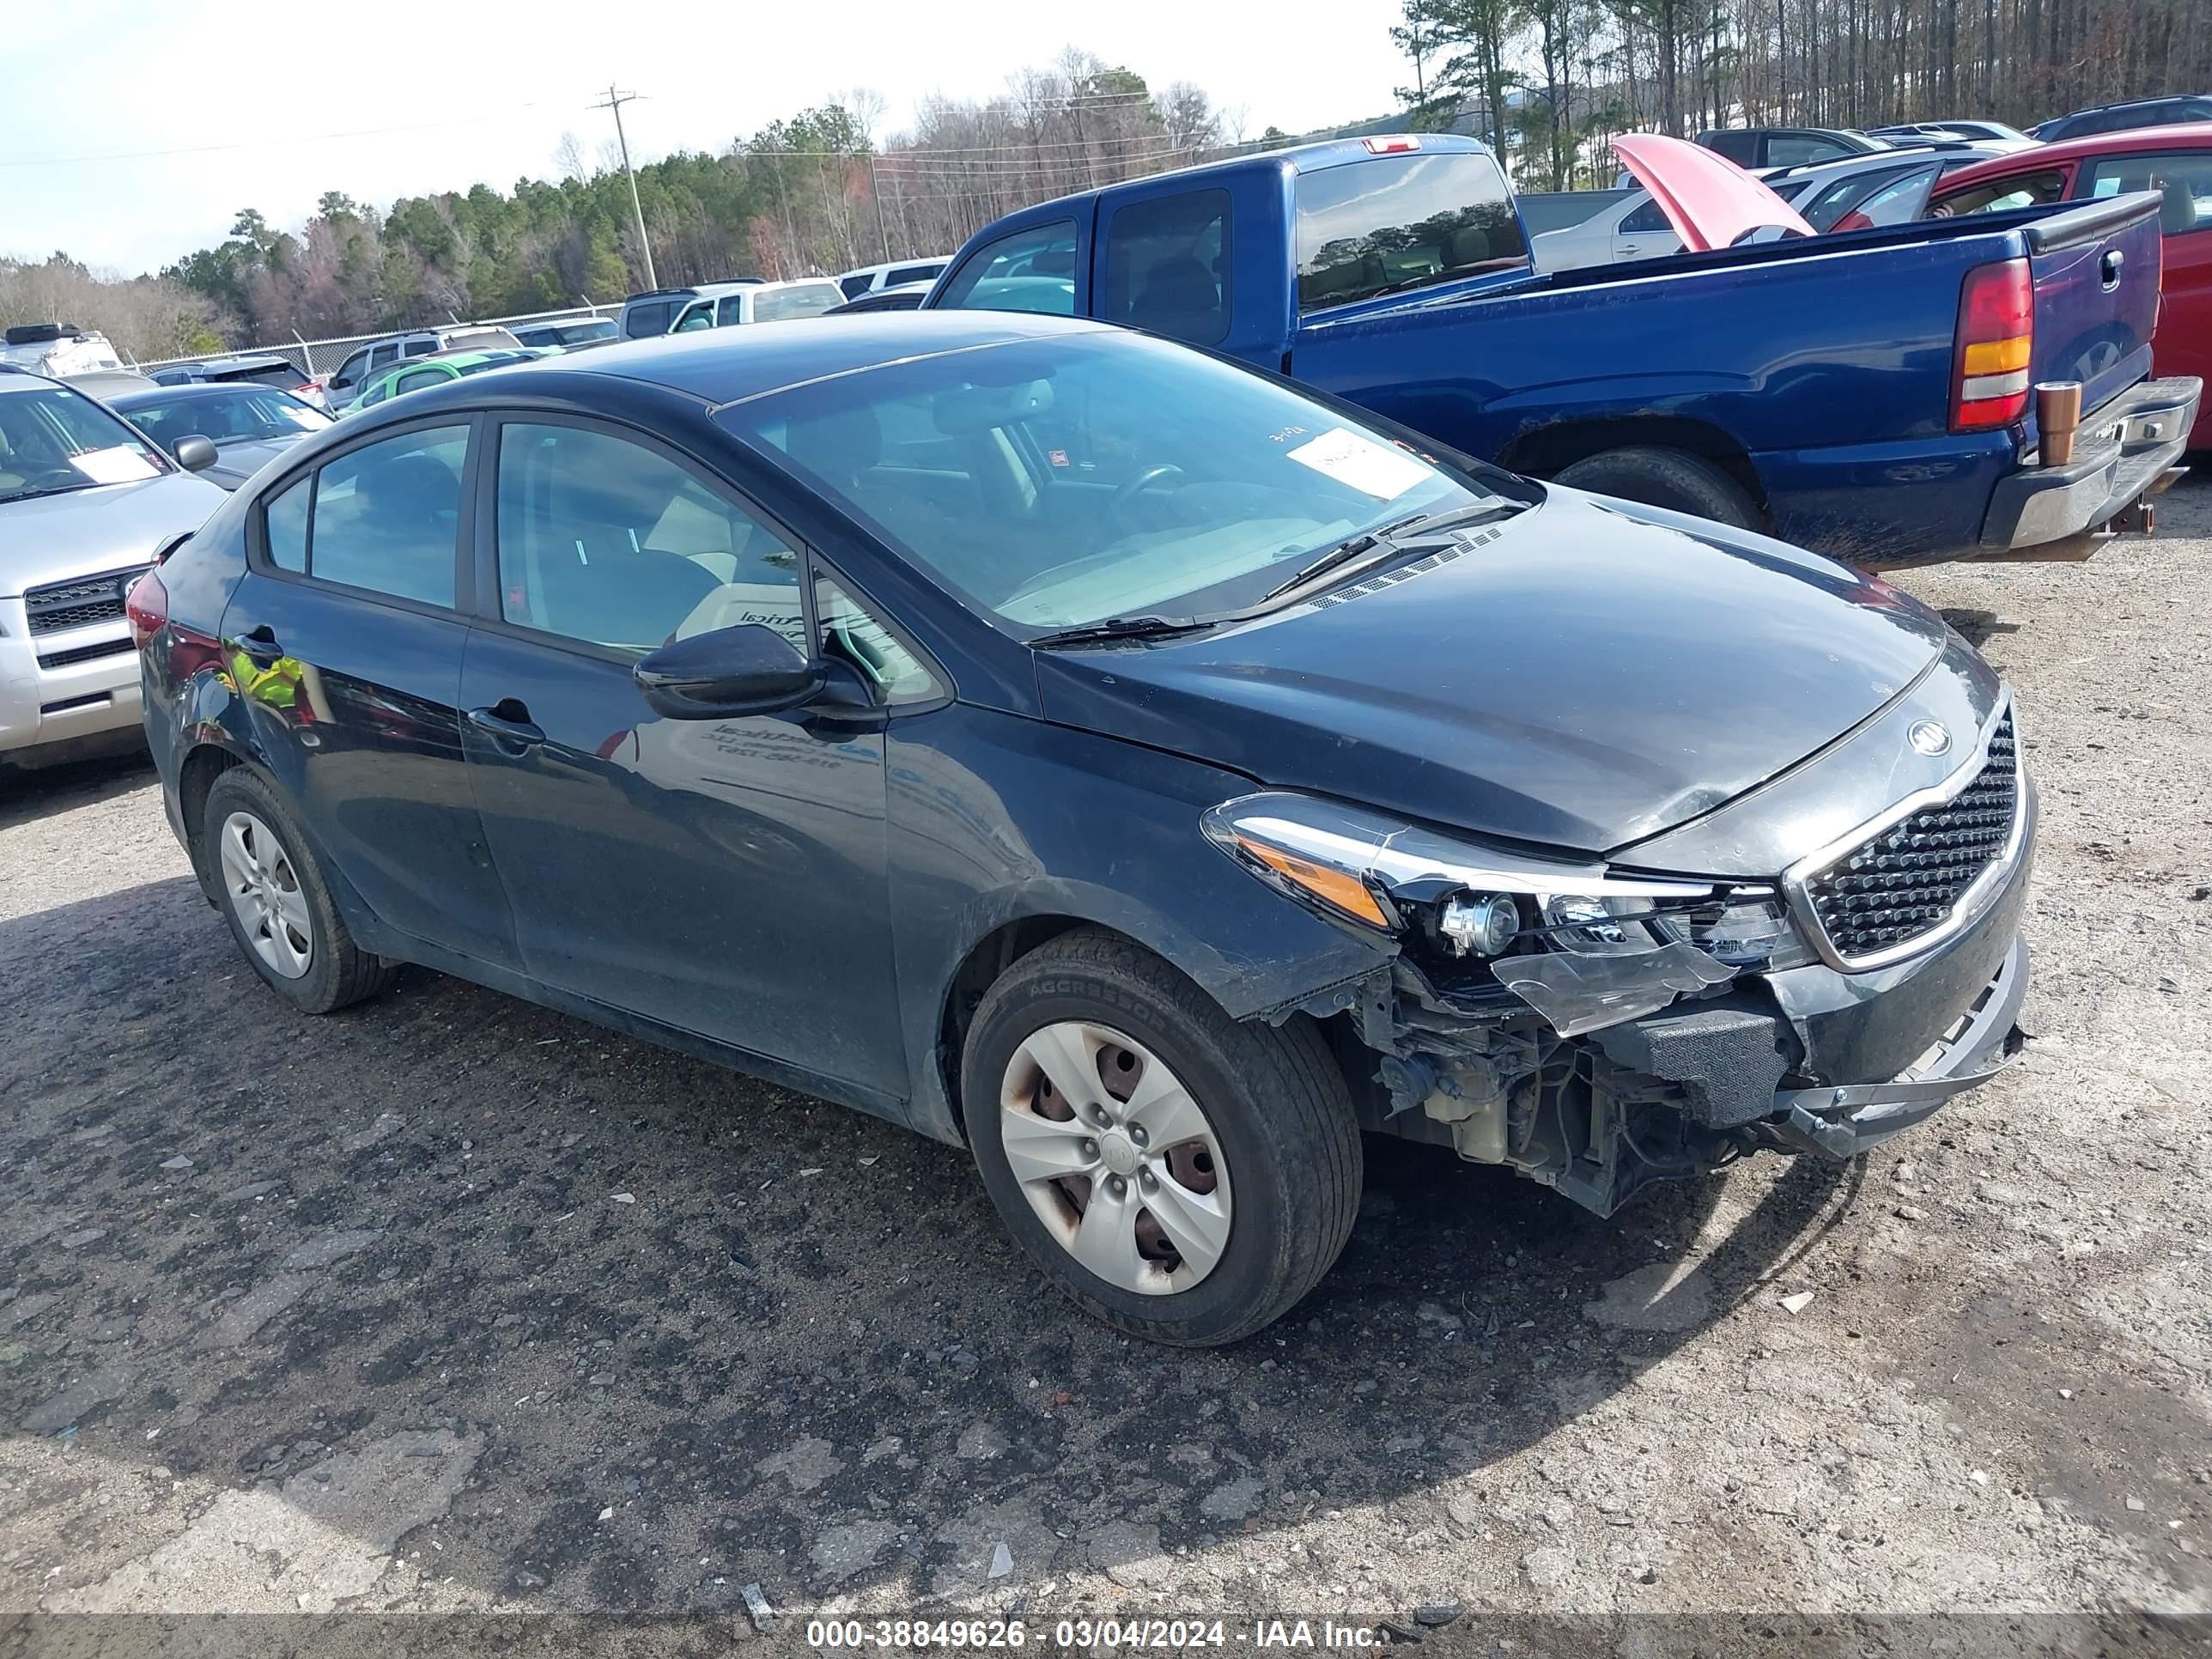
{"x": 260, "y": 645}
{"x": 509, "y": 724}
{"x": 2109, "y": 267}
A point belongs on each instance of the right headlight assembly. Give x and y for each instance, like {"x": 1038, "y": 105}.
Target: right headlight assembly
{"x": 1583, "y": 944}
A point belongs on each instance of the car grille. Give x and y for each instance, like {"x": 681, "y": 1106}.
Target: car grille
{"x": 77, "y": 654}
{"x": 1904, "y": 883}
{"x": 80, "y": 603}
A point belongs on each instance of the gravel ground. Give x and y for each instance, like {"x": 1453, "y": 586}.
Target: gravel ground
{"x": 450, "y": 1304}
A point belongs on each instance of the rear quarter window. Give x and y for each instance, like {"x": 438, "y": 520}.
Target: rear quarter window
{"x": 2022, "y": 189}
{"x": 1400, "y": 222}
{"x": 1167, "y": 266}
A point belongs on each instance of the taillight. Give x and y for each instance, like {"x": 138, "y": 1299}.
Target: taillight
{"x": 1996, "y": 338}
{"x": 147, "y": 606}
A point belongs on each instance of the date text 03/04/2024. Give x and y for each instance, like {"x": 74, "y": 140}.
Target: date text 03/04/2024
{"x": 1112, "y": 1634}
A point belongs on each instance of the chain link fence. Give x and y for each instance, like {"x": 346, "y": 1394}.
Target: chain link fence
{"x": 316, "y": 358}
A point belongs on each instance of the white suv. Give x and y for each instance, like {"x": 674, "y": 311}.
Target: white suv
{"x": 86, "y": 503}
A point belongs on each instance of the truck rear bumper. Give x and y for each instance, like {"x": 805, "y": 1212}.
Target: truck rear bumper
{"x": 2123, "y": 453}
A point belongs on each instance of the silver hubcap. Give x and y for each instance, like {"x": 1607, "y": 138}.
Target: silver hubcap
{"x": 1115, "y": 1158}
{"x": 264, "y": 895}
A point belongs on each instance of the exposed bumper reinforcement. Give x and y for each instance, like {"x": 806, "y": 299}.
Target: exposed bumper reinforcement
{"x": 2124, "y": 451}
{"x": 1845, "y": 1120}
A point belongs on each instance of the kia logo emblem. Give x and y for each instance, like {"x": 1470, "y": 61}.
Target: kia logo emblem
{"x": 1928, "y": 738}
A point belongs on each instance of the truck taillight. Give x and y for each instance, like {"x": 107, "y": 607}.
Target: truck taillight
{"x": 147, "y": 606}
{"x": 1996, "y": 338}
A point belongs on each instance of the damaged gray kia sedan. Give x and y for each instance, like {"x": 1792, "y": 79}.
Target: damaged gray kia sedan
{"x": 1143, "y": 771}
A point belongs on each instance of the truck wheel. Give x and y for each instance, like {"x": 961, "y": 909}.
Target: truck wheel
{"x": 1664, "y": 478}
{"x": 277, "y": 904}
{"x": 1185, "y": 1177}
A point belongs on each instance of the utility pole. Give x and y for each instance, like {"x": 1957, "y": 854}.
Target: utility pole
{"x": 615, "y": 101}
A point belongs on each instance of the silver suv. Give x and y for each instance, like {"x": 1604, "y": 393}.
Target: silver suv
{"x": 86, "y": 503}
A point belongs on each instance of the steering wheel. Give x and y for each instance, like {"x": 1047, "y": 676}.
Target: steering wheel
{"x": 1118, "y": 502}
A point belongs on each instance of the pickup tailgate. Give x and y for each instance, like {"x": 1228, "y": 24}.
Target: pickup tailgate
{"x": 2096, "y": 274}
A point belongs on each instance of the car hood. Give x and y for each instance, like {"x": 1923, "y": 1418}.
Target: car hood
{"x": 1711, "y": 201}
{"x": 1584, "y": 674}
{"x": 51, "y": 538}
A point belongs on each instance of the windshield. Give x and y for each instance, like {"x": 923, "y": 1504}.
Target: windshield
{"x": 1380, "y": 226}
{"x": 774, "y": 305}
{"x": 55, "y": 440}
{"x": 247, "y": 414}
{"x": 1054, "y": 483}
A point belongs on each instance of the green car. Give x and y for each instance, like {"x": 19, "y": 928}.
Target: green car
{"x": 418, "y": 372}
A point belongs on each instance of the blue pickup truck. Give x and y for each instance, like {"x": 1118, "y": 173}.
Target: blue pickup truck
{"x": 1867, "y": 394}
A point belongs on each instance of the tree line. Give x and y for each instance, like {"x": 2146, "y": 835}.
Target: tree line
{"x": 814, "y": 193}
{"x": 1549, "y": 82}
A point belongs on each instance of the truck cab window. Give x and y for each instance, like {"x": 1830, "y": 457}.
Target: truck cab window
{"x": 1167, "y": 266}
{"x": 1387, "y": 226}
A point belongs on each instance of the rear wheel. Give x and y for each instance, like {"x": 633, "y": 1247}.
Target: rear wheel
{"x": 1671, "y": 478}
{"x": 1185, "y": 1177}
{"x": 277, "y": 902}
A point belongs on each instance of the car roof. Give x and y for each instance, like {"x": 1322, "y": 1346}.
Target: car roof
{"x": 1902, "y": 154}
{"x": 189, "y": 392}
{"x": 2182, "y": 134}
{"x": 725, "y": 365}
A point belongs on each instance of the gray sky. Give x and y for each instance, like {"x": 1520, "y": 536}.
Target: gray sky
{"x": 319, "y": 101}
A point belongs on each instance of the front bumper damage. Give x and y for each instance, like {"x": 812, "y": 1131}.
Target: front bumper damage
{"x": 1816, "y": 1059}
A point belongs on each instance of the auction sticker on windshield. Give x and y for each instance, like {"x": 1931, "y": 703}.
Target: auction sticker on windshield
{"x": 116, "y": 464}
{"x": 1371, "y": 468}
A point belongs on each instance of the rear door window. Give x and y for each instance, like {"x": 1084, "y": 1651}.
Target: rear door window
{"x": 1394, "y": 223}
{"x": 384, "y": 517}
{"x": 1646, "y": 220}
{"x": 1167, "y": 266}
{"x": 730, "y": 308}
{"x": 913, "y": 274}
{"x": 1790, "y": 149}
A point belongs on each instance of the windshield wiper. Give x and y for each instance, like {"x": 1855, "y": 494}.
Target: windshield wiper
{"x": 51, "y": 490}
{"x": 1393, "y": 538}
{"x": 1341, "y": 555}
{"x": 1119, "y": 627}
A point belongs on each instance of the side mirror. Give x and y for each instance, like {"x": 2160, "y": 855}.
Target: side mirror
{"x": 194, "y": 453}
{"x": 747, "y": 670}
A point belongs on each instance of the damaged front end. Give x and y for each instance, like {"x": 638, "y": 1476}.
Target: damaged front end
{"x": 1597, "y": 1028}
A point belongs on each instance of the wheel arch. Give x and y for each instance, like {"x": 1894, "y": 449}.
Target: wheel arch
{"x": 1544, "y": 450}
{"x": 203, "y": 764}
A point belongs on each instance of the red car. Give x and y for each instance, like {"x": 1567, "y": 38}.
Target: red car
{"x": 2177, "y": 159}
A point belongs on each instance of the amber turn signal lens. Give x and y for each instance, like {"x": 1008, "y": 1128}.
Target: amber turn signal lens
{"x": 1332, "y": 887}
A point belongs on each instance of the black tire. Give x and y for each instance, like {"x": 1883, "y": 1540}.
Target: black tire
{"x": 1273, "y": 1096}
{"x": 338, "y": 973}
{"x": 1664, "y": 478}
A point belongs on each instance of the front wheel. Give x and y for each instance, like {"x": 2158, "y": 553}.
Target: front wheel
{"x": 1185, "y": 1177}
